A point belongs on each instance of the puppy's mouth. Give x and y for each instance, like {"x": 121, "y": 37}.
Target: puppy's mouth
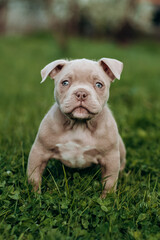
{"x": 81, "y": 109}
{"x": 81, "y": 112}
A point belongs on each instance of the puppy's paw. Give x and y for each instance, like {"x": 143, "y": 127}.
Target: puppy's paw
{"x": 103, "y": 195}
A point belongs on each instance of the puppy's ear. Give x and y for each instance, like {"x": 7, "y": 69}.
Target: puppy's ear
{"x": 112, "y": 67}
{"x": 52, "y": 69}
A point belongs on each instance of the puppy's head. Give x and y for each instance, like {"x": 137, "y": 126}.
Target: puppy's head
{"x": 82, "y": 86}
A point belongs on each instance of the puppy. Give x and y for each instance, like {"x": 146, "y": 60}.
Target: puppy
{"x": 79, "y": 129}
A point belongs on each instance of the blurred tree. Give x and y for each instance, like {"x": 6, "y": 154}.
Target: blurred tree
{"x": 115, "y": 16}
{"x": 3, "y": 14}
{"x": 65, "y": 18}
{"x": 126, "y": 31}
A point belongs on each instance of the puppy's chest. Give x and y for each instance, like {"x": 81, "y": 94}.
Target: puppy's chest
{"x": 76, "y": 155}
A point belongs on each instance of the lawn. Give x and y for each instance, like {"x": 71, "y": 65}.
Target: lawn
{"x": 69, "y": 206}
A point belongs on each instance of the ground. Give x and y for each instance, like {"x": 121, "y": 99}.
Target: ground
{"x": 69, "y": 206}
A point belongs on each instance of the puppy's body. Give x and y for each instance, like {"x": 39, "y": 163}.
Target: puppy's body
{"x": 79, "y": 129}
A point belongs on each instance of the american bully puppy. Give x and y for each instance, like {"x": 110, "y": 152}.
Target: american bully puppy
{"x": 79, "y": 129}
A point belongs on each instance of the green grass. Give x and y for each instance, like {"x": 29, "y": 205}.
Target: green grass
{"x": 69, "y": 206}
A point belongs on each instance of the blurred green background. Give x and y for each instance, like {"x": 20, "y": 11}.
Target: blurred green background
{"x": 34, "y": 33}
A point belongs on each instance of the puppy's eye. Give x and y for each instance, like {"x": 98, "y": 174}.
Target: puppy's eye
{"x": 99, "y": 85}
{"x": 65, "y": 83}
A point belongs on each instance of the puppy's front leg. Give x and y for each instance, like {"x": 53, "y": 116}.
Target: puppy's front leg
{"x": 110, "y": 167}
{"x": 37, "y": 162}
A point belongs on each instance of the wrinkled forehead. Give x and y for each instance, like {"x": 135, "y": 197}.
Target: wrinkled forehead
{"x": 81, "y": 70}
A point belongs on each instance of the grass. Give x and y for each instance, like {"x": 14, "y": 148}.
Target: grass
{"x": 69, "y": 206}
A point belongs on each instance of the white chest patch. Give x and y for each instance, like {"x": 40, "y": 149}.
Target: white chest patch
{"x": 73, "y": 153}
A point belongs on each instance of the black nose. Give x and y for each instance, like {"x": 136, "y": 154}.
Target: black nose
{"x": 81, "y": 95}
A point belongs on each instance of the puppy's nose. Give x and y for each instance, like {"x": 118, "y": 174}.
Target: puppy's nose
{"x": 81, "y": 95}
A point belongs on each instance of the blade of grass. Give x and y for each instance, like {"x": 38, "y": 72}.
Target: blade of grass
{"x": 66, "y": 180}
{"x": 54, "y": 182}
